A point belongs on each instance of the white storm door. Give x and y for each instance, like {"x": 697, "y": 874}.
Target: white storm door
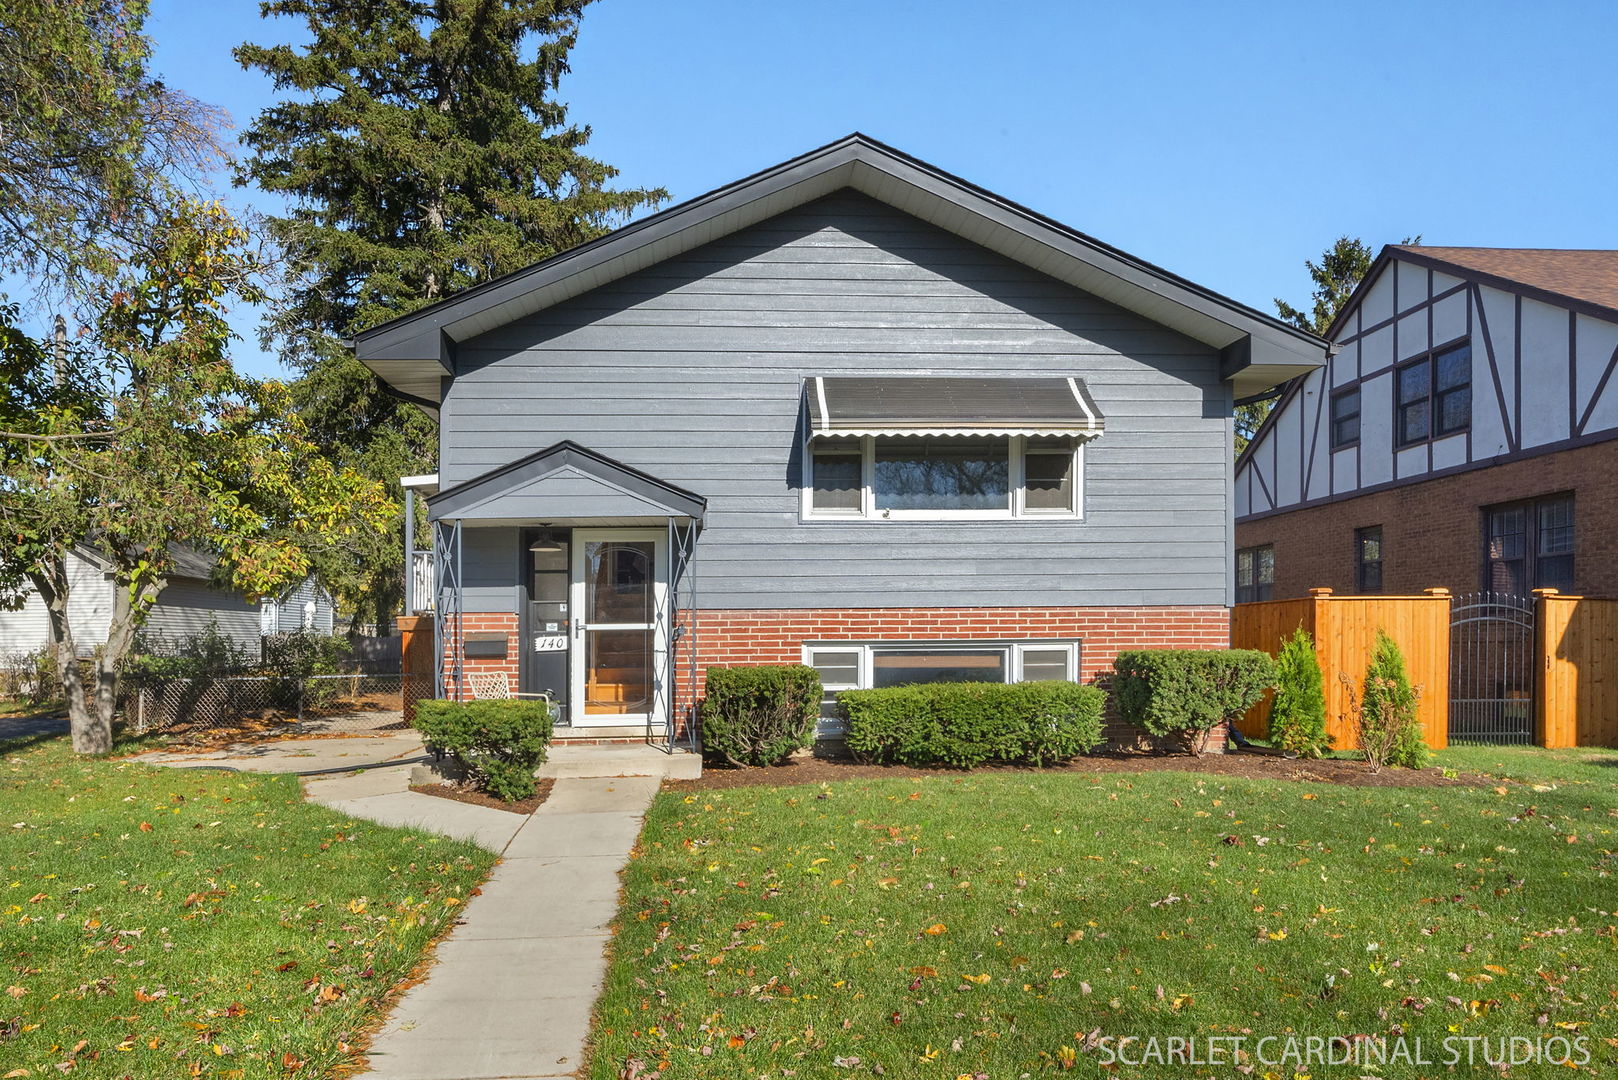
{"x": 620, "y": 638}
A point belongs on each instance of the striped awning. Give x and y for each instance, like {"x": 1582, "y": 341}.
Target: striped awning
{"x": 898, "y": 405}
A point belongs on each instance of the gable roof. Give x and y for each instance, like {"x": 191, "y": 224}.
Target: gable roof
{"x": 190, "y": 563}
{"x": 564, "y": 481}
{"x": 1581, "y": 279}
{"x": 1589, "y": 275}
{"x": 413, "y": 353}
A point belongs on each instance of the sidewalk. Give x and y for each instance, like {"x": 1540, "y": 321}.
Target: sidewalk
{"x": 511, "y": 993}
{"x": 515, "y": 982}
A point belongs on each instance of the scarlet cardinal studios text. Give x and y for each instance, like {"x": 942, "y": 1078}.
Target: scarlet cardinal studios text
{"x": 1355, "y": 1050}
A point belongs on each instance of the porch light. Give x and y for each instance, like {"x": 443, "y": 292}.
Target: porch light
{"x": 545, "y": 542}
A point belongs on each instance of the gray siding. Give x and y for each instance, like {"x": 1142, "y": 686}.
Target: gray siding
{"x": 691, "y": 371}
{"x": 187, "y": 607}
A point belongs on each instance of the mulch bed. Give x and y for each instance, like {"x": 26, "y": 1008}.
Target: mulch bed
{"x": 477, "y": 798}
{"x": 1245, "y": 765}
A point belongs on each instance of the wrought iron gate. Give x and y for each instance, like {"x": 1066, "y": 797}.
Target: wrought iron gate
{"x": 1491, "y": 665}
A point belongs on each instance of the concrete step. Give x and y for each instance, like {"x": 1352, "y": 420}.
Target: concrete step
{"x": 603, "y": 733}
{"x": 620, "y": 759}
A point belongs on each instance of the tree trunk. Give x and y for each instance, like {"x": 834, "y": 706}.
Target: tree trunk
{"x": 89, "y": 735}
{"x": 127, "y": 614}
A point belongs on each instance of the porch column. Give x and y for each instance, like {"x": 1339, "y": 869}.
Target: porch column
{"x": 410, "y": 551}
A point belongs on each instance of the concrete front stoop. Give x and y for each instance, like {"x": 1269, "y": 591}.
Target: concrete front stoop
{"x": 620, "y": 759}
{"x": 515, "y": 983}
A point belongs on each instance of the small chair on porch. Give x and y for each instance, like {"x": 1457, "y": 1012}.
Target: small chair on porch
{"x": 489, "y": 686}
{"x": 495, "y": 686}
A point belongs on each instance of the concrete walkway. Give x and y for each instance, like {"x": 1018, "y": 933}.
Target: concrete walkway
{"x": 512, "y": 990}
{"x": 511, "y": 994}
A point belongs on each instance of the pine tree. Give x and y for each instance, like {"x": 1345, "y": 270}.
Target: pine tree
{"x": 423, "y": 151}
{"x": 1390, "y": 701}
{"x": 1298, "y": 713}
{"x": 1338, "y": 273}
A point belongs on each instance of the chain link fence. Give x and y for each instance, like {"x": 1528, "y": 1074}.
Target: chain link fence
{"x": 210, "y": 706}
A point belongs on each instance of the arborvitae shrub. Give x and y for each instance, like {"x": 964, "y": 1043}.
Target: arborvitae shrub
{"x": 1298, "y": 713}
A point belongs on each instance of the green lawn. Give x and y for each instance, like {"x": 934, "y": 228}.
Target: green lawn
{"x": 1596, "y": 768}
{"x": 969, "y": 926}
{"x": 167, "y": 923}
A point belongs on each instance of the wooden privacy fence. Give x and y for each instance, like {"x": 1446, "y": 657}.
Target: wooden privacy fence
{"x": 1344, "y": 629}
{"x": 1577, "y": 699}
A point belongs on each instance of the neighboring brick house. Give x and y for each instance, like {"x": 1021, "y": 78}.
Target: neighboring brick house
{"x": 1464, "y": 434}
{"x": 849, "y": 411}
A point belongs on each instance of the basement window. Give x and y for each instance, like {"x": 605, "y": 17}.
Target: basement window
{"x": 866, "y": 665}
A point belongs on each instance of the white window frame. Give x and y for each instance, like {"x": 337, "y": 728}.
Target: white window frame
{"x": 1016, "y": 508}
{"x": 866, "y": 651}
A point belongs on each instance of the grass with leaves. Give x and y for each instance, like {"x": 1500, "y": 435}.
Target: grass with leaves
{"x": 989, "y": 925}
{"x": 172, "y": 923}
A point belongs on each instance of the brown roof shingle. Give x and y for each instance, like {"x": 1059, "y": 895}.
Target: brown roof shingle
{"x": 1590, "y": 275}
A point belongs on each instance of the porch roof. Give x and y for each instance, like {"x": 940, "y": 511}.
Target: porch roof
{"x": 565, "y": 482}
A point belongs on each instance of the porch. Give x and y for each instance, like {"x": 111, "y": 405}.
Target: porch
{"x": 565, "y": 576}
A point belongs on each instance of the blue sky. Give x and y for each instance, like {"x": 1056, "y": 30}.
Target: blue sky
{"x": 1227, "y": 142}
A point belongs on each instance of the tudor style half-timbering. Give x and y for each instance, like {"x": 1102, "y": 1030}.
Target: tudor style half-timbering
{"x": 850, "y": 411}
{"x": 1461, "y": 434}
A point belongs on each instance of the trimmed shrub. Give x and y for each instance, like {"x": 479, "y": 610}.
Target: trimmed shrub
{"x": 759, "y": 715}
{"x": 1298, "y": 713}
{"x": 1388, "y": 723}
{"x": 208, "y": 651}
{"x": 967, "y": 724}
{"x": 499, "y": 742}
{"x": 1183, "y": 694}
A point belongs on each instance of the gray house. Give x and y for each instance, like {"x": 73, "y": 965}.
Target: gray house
{"x": 190, "y": 603}
{"x": 850, "y": 411}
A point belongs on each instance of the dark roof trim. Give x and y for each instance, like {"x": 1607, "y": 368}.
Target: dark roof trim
{"x": 452, "y": 502}
{"x": 1416, "y": 257}
{"x": 406, "y": 347}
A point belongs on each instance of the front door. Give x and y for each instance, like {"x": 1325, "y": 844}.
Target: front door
{"x": 619, "y": 597}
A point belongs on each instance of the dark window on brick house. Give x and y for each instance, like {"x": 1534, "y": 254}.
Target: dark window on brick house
{"x": 1345, "y": 418}
{"x": 1368, "y": 559}
{"x": 1529, "y": 545}
{"x": 1255, "y": 574}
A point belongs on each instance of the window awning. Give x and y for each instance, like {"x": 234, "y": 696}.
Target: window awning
{"x": 899, "y": 405}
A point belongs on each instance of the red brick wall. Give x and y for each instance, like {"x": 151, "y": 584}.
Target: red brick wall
{"x": 777, "y": 636}
{"x": 484, "y": 622}
{"x": 1432, "y": 531}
